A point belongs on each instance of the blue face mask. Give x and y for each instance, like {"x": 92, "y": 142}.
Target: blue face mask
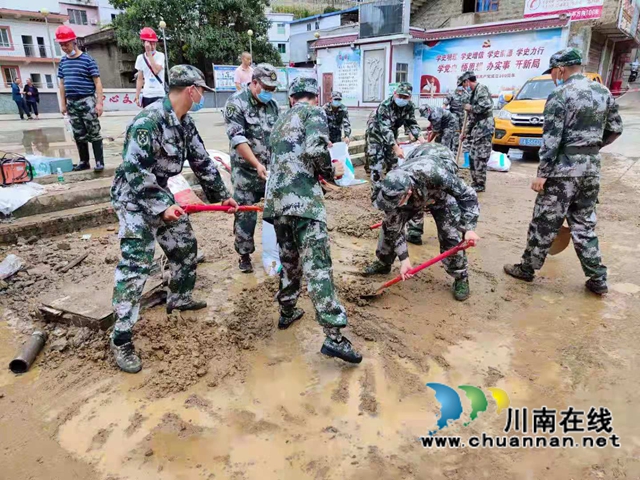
{"x": 559, "y": 82}
{"x": 336, "y": 103}
{"x": 198, "y": 106}
{"x": 265, "y": 97}
{"x": 401, "y": 102}
{"x": 468, "y": 89}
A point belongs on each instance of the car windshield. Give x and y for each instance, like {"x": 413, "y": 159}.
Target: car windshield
{"x": 536, "y": 90}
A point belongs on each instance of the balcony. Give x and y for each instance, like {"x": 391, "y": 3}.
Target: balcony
{"x": 84, "y": 3}
{"x": 28, "y": 53}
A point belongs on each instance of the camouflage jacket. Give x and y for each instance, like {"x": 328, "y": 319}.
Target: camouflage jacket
{"x": 249, "y": 121}
{"x": 576, "y": 116}
{"x": 387, "y": 120}
{"x": 441, "y": 120}
{"x": 481, "y": 106}
{"x": 433, "y": 172}
{"x": 156, "y": 146}
{"x": 456, "y": 101}
{"x": 338, "y": 121}
{"x": 300, "y": 153}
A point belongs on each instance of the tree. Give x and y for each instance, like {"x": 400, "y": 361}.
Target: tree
{"x": 199, "y": 32}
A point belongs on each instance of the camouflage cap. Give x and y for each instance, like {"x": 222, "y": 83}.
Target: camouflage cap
{"x": 336, "y": 96}
{"x": 467, "y": 75}
{"x": 395, "y": 186}
{"x": 303, "y": 85}
{"x": 460, "y": 80}
{"x": 186, "y": 76}
{"x": 266, "y": 74}
{"x": 566, "y": 57}
{"x": 425, "y": 110}
{"x": 404, "y": 88}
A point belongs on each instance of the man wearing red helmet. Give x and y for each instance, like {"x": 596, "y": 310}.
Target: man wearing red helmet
{"x": 150, "y": 67}
{"x": 81, "y": 97}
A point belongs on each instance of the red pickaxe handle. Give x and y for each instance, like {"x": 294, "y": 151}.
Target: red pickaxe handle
{"x": 461, "y": 246}
{"x": 375, "y": 225}
{"x": 219, "y": 208}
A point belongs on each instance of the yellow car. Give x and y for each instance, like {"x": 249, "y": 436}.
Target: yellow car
{"x": 519, "y": 123}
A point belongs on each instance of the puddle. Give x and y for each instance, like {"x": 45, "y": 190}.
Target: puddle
{"x": 48, "y": 141}
{"x": 626, "y": 288}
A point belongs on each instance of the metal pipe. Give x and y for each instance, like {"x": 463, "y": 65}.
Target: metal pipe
{"x": 29, "y": 352}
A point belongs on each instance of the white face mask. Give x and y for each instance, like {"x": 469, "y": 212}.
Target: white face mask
{"x": 72, "y": 53}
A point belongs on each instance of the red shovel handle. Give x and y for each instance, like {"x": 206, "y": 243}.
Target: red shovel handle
{"x": 219, "y": 208}
{"x": 461, "y": 246}
{"x": 375, "y": 225}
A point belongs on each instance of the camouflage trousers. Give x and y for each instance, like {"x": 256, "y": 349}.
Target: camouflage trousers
{"x": 480, "y": 150}
{"x": 304, "y": 250}
{"x": 450, "y": 138}
{"x": 573, "y": 198}
{"x": 138, "y": 235}
{"x": 335, "y": 134}
{"x": 84, "y": 119}
{"x": 446, "y": 214}
{"x": 248, "y": 189}
{"x": 381, "y": 160}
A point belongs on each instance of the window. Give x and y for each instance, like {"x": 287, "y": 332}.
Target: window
{"x": 49, "y": 80}
{"x": 10, "y": 73}
{"x": 308, "y": 27}
{"x": 471, "y": 6}
{"x": 402, "y": 72}
{"x": 282, "y": 47}
{"x": 36, "y": 78}
{"x": 41, "y": 48}
{"x": 77, "y": 17}
{"x": 281, "y": 29}
{"x": 4, "y": 38}
{"x": 317, "y": 25}
{"x": 29, "y": 48}
{"x": 113, "y": 16}
{"x": 56, "y": 47}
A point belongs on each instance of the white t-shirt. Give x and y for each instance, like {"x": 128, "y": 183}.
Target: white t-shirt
{"x": 152, "y": 88}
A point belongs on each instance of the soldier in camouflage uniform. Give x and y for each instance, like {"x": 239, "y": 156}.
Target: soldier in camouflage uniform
{"x": 294, "y": 203}
{"x": 157, "y": 143}
{"x": 338, "y": 119}
{"x": 383, "y": 150}
{"x": 426, "y": 181}
{"x": 480, "y": 128}
{"x": 443, "y": 130}
{"x": 580, "y": 117}
{"x": 250, "y": 115}
{"x": 456, "y": 102}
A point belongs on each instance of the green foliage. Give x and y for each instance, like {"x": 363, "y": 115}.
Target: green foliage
{"x": 199, "y": 32}
{"x": 298, "y": 11}
{"x": 331, "y": 10}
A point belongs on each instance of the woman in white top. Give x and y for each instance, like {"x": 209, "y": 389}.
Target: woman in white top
{"x": 150, "y": 67}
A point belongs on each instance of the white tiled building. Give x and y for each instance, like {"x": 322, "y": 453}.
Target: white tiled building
{"x": 279, "y": 33}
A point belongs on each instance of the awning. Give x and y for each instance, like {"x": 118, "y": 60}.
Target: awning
{"x": 338, "y": 41}
{"x": 25, "y": 14}
{"x": 485, "y": 29}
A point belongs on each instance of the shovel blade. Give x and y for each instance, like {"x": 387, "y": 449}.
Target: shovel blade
{"x": 561, "y": 241}
{"x": 379, "y": 290}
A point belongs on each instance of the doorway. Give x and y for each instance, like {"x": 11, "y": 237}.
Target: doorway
{"x": 327, "y": 87}
{"x": 373, "y": 76}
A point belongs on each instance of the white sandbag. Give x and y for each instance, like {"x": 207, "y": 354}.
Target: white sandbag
{"x": 407, "y": 148}
{"x": 223, "y": 162}
{"x": 270, "y": 250}
{"x": 182, "y": 191}
{"x": 14, "y": 196}
{"x": 499, "y": 162}
{"x": 10, "y": 265}
{"x": 340, "y": 152}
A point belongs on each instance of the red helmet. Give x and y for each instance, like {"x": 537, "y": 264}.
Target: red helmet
{"x": 147, "y": 34}
{"x": 64, "y": 34}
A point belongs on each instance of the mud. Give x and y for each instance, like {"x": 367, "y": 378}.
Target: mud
{"x": 224, "y": 394}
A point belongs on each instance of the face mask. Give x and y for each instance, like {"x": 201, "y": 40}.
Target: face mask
{"x": 265, "y": 97}
{"x": 468, "y": 89}
{"x": 198, "y": 106}
{"x": 559, "y": 82}
{"x": 72, "y": 54}
{"x": 401, "y": 102}
{"x": 336, "y": 103}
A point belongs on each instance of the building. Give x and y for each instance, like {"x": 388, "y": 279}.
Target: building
{"x": 117, "y": 67}
{"x": 27, "y": 50}
{"x": 279, "y": 33}
{"x": 106, "y": 12}
{"x": 305, "y": 31}
{"x": 84, "y": 16}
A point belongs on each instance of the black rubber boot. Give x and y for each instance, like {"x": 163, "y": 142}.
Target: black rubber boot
{"x": 343, "y": 350}
{"x": 83, "y": 152}
{"x": 126, "y": 357}
{"x": 415, "y": 239}
{"x": 192, "y": 305}
{"x": 376, "y": 268}
{"x": 289, "y": 316}
{"x": 98, "y": 154}
{"x": 244, "y": 264}
{"x": 461, "y": 289}
{"x": 520, "y": 272}
{"x": 478, "y": 189}
{"x": 599, "y": 287}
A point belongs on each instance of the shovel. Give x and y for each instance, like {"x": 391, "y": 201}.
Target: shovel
{"x": 375, "y": 225}
{"x": 220, "y": 208}
{"x": 461, "y": 246}
{"x": 561, "y": 241}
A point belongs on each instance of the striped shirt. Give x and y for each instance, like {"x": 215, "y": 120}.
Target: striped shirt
{"x": 78, "y": 74}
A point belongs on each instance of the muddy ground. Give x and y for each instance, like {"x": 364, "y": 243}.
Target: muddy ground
{"x": 224, "y": 394}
